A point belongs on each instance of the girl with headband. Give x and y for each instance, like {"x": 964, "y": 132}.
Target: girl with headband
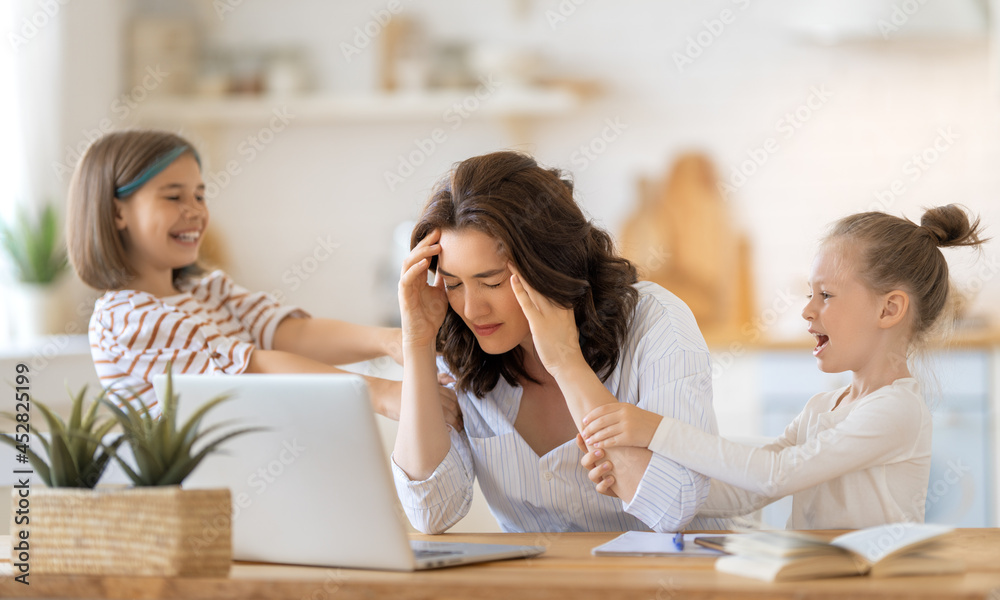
{"x": 136, "y": 218}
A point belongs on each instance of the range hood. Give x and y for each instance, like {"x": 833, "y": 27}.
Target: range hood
{"x": 846, "y": 21}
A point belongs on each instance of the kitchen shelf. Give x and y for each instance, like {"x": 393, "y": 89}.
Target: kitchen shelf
{"x": 517, "y": 103}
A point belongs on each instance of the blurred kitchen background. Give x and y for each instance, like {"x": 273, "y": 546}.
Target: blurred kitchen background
{"x": 716, "y": 140}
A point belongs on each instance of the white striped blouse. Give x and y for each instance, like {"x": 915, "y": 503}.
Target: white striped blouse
{"x": 211, "y": 328}
{"x": 664, "y": 367}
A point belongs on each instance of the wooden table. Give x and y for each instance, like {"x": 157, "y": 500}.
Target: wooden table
{"x": 566, "y": 570}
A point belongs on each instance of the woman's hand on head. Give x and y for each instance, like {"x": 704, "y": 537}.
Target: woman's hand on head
{"x": 553, "y": 328}
{"x": 422, "y": 306}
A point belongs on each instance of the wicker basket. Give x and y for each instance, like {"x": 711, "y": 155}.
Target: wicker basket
{"x": 136, "y": 531}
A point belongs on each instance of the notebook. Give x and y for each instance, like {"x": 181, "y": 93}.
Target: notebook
{"x": 648, "y": 543}
{"x": 315, "y": 488}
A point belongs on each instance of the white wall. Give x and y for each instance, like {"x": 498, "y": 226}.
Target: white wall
{"x": 889, "y": 101}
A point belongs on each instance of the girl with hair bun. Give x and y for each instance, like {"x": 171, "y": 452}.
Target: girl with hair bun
{"x": 539, "y": 321}
{"x": 857, "y": 456}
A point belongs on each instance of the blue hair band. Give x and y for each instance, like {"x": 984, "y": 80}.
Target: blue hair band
{"x": 155, "y": 169}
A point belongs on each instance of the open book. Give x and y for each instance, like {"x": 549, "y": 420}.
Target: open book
{"x": 882, "y": 551}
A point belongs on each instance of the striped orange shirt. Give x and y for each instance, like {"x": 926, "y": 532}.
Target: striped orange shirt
{"x": 211, "y": 328}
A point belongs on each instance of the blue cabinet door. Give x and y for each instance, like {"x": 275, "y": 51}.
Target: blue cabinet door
{"x": 960, "y": 485}
{"x": 957, "y": 386}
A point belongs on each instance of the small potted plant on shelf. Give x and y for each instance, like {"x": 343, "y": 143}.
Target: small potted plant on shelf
{"x": 155, "y": 528}
{"x": 38, "y": 259}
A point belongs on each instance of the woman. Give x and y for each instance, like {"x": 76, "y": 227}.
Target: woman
{"x": 539, "y": 322}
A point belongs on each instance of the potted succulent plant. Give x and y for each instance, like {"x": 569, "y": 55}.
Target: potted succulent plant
{"x": 38, "y": 259}
{"x": 78, "y": 460}
{"x": 149, "y": 529}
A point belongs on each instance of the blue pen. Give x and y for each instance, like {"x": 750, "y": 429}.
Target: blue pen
{"x": 679, "y": 541}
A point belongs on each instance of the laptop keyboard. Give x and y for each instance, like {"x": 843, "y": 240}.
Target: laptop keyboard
{"x": 420, "y": 553}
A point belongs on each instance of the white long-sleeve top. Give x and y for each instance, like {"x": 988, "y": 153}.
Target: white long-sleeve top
{"x": 861, "y": 464}
{"x": 664, "y": 367}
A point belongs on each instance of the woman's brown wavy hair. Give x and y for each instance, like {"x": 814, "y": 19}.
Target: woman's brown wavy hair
{"x": 531, "y": 212}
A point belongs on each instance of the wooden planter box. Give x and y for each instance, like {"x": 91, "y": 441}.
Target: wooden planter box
{"x": 136, "y": 531}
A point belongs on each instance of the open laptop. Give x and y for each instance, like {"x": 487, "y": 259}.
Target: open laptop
{"x": 315, "y": 488}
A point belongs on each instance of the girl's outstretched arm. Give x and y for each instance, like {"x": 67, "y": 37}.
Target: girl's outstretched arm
{"x": 620, "y": 424}
{"x": 337, "y": 342}
{"x": 886, "y": 427}
{"x": 385, "y": 394}
{"x": 724, "y": 500}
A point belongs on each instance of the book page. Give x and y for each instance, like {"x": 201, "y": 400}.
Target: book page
{"x": 876, "y": 543}
{"x": 780, "y": 544}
